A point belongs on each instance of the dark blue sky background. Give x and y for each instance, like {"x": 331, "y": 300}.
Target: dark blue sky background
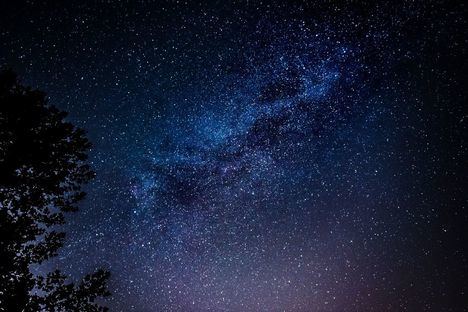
{"x": 261, "y": 156}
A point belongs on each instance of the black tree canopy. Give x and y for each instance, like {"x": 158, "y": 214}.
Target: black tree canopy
{"x": 42, "y": 168}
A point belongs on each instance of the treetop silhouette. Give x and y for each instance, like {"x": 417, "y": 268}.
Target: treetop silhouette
{"x": 42, "y": 169}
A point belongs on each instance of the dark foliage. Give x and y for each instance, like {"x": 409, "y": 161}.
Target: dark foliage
{"x": 42, "y": 168}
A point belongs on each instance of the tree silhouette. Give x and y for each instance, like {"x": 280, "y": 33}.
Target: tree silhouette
{"x": 42, "y": 168}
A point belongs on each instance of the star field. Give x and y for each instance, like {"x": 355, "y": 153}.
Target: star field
{"x": 257, "y": 156}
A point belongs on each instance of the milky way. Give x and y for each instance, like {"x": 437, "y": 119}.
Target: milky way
{"x": 261, "y": 157}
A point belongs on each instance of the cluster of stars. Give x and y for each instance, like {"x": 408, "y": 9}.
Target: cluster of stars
{"x": 256, "y": 156}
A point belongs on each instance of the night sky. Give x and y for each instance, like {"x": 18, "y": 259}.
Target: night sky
{"x": 261, "y": 155}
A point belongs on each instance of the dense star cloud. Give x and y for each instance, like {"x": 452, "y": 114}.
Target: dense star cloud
{"x": 261, "y": 156}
